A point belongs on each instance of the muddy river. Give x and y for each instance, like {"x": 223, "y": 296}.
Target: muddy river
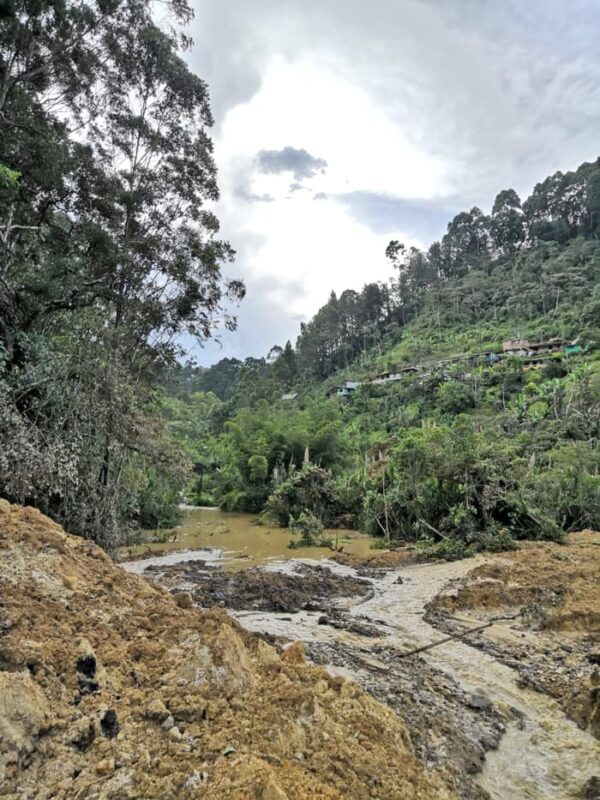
{"x": 541, "y": 753}
{"x": 236, "y": 541}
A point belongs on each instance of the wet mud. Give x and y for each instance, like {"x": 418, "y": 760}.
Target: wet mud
{"x": 405, "y": 638}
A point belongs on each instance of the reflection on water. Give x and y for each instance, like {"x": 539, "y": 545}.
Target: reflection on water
{"x": 235, "y": 541}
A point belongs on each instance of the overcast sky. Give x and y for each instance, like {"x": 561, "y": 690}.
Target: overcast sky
{"x": 340, "y": 124}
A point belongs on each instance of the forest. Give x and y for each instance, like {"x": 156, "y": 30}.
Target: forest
{"x": 110, "y": 251}
{"x": 466, "y": 450}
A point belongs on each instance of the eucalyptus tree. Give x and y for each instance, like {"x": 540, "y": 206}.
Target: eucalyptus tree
{"x": 109, "y": 247}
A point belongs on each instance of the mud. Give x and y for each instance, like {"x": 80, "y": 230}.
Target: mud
{"x": 375, "y": 564}
{"x": 448, "y": 731}
{"x": 541, "y": 755}
{"x": 554, "y": 644}
{"x": 110, "y": 690}
{"x": 309, "y": 587}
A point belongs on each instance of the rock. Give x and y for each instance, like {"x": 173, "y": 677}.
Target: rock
{"x": 399, "y": 580}
{"x": 86, "y": 667}
{"x": 594, "y": 658}
{"x": 479, "y": 701}
{"x": 195, "y": 779}
{"x": 591, "y": 790}
{"x": 175, "y": 733}
{"x": 157, "y": 711}
{"x": 83, "y": 733}
{"x": 24, "y": 714}
{"x": 294, "y": 654}
{"x": 228, "y": 751}
{"x": 106, "y": 766}
{"x": 184, "y": 600}
{"x": 168, "y": 723}
{"x": 273, "y": 791}
{"x": 109, "y": 724}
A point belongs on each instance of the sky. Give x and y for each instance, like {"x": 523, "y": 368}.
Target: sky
{"x": 342, "y": 124}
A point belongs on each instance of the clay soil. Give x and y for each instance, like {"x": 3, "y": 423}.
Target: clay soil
{"x": 259, "y": 589}
{"x": 380, "y": 560}
{"x": 554, "y": 642}
{"x": 111, "y": 688}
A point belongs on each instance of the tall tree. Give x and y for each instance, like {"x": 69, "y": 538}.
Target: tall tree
{"x": 108, "y": 250}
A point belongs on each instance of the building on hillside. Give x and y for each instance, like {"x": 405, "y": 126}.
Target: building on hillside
{"x": 394, "y": 374}
{"x": 290, "y": 396}
{"x": 573, "y": 348}
{"x": 515, "y": 347}
{"x": 523, "y": 347}
{"x": 346, "y": 391}
{"x": 537, "y": 348}
{"x": 382, "y": 377}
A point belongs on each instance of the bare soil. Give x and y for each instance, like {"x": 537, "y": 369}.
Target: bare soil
{"x": 259, "y": 589}
{"x": 554, "y": 642}
{"x": 112, "y": 689}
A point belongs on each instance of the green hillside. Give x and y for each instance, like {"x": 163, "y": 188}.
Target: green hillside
{"x": 468, "y": 445}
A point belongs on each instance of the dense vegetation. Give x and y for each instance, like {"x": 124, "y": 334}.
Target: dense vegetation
{"x": 463, "y": 453}
{"x": 107, "y": 252}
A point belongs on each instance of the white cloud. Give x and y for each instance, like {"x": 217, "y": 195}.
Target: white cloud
{"x": 315, "y": 244}
{"x": 410, "y": 101}
{"x": 304, "y": 104}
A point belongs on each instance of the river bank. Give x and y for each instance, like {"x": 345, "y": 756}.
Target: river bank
{"x": 469, "y": 711}
{"x": 111, "y": 688}
{"x": 116, "y": 686}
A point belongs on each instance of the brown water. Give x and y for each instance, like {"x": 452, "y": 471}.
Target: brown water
{"x": 236, "y": 541}
{"x": 545, "y": 757}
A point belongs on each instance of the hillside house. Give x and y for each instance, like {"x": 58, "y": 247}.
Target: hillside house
{"x": 573, "y": 348}
{"x": 536, "y": 348}
{"x": 395, "y": 374}
{"x": 290, "y": 396}
{"x": 346, "y": 391}
{"x": 515, "y": 347}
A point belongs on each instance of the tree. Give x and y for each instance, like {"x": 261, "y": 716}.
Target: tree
{"x": 108, "y": 249}
{"x": 508, "y": 226}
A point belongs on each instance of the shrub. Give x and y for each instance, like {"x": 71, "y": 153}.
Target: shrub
{"x": 308, "y": 527}
{"x": 310, "y": 488}
{"x": 455, "y": 397}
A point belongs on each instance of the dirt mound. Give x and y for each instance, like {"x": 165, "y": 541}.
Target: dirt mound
{"x": 258, "y": 589}
{"x": 380, "y": 560}
{"x": 558, "y": 585}
{"x": 110, "y": 690}
{"x": 555, "y": 641}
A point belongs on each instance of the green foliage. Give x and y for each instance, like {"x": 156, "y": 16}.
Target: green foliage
{"x": 308, "y": 527}
{"x": 311, "y": 489}
{"x": 109, "y": 252}
{"x": 158, "y": 501}
{"x": 468, "y": 452}
{"x": 446, "y": 549}
{"x": 455, "y": 397}
{"x": 9, "y": 178}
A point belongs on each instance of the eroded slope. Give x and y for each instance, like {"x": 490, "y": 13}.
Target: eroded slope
{"x": 554, "y": 592}
{"x": 109, "y": 689}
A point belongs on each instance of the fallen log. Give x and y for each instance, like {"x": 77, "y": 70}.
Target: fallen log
{"x": 458, "y": 636}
